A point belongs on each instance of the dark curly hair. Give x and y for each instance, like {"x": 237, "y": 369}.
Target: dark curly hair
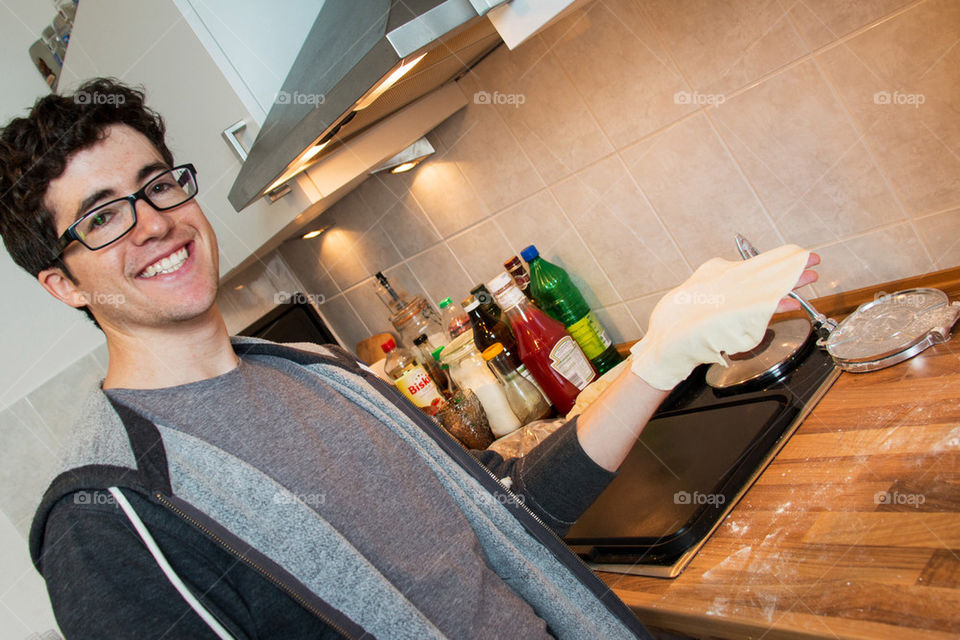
{"x": 34, "y": 151}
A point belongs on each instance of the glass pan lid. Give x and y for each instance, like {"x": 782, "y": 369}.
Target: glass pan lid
{"x": 889, "y": 325}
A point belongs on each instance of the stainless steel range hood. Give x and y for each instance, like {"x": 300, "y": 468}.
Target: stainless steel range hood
{"x": 361, "y": 62}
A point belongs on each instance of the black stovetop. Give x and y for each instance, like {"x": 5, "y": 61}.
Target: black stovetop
{"x": 698, "y": 455}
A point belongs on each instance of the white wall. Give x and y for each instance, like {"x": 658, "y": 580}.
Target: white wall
{"x": 30, "y": 312}
{"x": 24, "y": 607}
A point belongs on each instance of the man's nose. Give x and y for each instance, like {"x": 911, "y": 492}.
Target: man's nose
{"x": 151, "y": 223}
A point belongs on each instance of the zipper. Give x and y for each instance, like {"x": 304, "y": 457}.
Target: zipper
{"x": 226, "y": 545}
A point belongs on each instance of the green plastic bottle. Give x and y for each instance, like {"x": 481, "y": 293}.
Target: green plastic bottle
{"x": 556, "y": 295}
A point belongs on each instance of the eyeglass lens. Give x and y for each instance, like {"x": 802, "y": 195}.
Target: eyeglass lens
{"x": 106, "y": 224}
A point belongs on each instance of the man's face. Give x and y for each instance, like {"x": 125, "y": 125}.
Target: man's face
{"x": 115, "y": 281}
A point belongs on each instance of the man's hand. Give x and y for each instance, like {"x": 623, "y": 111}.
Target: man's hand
{"x": 723, "y": 307}
{"x": 807, "y": 277}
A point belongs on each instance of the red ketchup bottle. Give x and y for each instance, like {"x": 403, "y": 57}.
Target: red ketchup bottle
{"x": 546, "y": 348}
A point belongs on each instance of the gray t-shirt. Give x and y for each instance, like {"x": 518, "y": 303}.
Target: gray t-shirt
{"x": 358, "y": 475}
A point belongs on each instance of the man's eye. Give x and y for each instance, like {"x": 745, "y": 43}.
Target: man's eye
{"x": 101, "y": 218}
{"x": 161, "y": 187}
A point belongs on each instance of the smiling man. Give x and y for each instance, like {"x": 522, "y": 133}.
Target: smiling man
{"x": 226, "y": 487}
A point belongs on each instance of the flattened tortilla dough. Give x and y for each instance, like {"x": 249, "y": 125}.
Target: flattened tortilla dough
{"x": 723, "y": 307}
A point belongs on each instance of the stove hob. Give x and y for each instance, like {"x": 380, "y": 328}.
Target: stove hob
{"x": 695, "y": 459}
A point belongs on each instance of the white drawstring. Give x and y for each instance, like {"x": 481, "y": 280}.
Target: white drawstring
{"x": 166, "y": 568}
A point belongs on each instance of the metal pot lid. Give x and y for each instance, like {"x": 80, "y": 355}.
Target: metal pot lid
{"x": 770, "y": 359}
{"x": 894, "y": 325}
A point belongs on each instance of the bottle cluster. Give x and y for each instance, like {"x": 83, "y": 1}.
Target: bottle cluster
{"x": 519, "y": 348}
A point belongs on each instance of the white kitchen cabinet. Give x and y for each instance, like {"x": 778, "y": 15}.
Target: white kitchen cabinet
{"x": 151, "y": 44}
{"x": 254, "y": 43}
{"x": 517, "y": 20}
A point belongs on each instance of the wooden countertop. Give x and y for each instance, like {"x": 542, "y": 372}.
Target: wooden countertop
{"x": 853, "y": 531}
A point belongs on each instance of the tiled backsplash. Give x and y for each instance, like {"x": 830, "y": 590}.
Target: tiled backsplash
{"x": 631, "y": 140}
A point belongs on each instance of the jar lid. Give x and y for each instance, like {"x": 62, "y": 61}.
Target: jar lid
{"x": 446, "y": 302}
{"x": 459, "y": 348}
{"x": 404, "y": 315}
{"x": 492, "y": 351}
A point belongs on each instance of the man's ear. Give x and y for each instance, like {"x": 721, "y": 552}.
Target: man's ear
{"x": 62, "y": 288}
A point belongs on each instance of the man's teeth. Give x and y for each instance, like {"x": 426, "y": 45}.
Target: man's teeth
{"x": 166, "y": 265}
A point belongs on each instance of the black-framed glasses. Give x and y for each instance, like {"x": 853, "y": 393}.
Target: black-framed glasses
{"x": 111, "y": 221}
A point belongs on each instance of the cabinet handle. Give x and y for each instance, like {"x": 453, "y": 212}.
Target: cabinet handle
{"x": 230, "y": 135}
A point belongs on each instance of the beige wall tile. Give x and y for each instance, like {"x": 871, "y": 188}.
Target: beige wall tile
{"x": 346, "y": 324}
{"x": 438, "y": 271}
{"x": 641, "y": 308}
{"x": 338, "y": 256}
{"x": 27, "y": 464}
{"x": 377, "y": 251}
{"x": 618, "y": 323}
{"x": 697, "y": 192}
{"x": 383, "y": 190}
{"x": 620, "y": 229}
{"x": 879, "y": 256}
{"x": 482, "y": 250}
{"x": 445, "y": 196}
{"x": 613, "y": 55}
{"x": 249, "y": 295}
{"x": 304, "y": 258}
{"x": 487, "y": 153}
{"x": 941, "y": 233}
{"x": 795, "y": 144}
{"x": 823, "y": 21}
{"x": 901, "y": 81}
{"x": 352, "y": 212}
{"x": 539, "y": 221}
{"x": 408, "y": 228}
{"x": 542, "y": 108}
{"x": 724, "y": 45}
{"x": 365, "y": 302}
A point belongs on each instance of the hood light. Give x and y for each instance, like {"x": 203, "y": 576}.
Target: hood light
{"x": 313, "y": 151}
{"x": 316, "y": 232}
{"x": 406, "y": 166}
{"x": 408, "y": 158}
{"x": 387, "y": 82}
